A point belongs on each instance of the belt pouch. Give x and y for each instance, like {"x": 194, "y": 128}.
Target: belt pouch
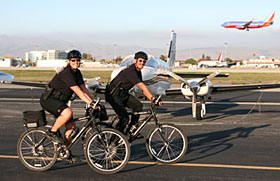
{"x": 47, "y": 93}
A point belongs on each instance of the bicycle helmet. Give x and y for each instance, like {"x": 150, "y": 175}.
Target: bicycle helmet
{"x": 141, "y": 55}
{"x": 74, "y": 54}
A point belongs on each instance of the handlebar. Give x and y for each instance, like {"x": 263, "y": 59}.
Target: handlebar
{"x": 158, "y": 98}
{"x": 96, "y": 103}
{"x": 154, "y": 104}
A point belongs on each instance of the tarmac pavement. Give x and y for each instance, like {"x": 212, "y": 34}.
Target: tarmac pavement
{"x": 237, "y": 140}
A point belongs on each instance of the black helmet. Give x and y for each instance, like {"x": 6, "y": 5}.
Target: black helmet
{"x": 74, "y": 54}
{"x": 141, "y": 55}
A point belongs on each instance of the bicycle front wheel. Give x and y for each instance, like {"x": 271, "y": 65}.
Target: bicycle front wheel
{"x": 166, "y": 144}
{"x": 107, "y": 152}
{"x": 36, "y": 151}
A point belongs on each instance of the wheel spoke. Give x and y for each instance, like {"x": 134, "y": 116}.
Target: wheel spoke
{"x": 112, "y": 156}
{"x": 169, "y": 150}
{"x": 35, "y": 151}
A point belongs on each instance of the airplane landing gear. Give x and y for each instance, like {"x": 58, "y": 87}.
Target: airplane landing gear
{"x": 200, "y": 109}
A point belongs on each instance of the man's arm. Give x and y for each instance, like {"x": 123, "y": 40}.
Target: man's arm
{"x": 85, "y": 90}
{"x": 146, "y": 92}
{"x": 81, "y": 94}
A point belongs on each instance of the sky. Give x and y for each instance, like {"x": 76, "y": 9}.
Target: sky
{"x": 145, "y": 23}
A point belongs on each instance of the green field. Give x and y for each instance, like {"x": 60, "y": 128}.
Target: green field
{"x": 234, "y": 78}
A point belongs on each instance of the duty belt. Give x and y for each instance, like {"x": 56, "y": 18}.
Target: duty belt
{"x": 57, "y": 94}
{"x": 113, "y": 89}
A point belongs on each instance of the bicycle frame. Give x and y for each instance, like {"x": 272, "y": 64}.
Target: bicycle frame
{"x": 151, "y": 114}
{"x": 82, "y": 131}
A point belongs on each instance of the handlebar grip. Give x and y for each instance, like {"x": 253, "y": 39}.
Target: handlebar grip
{"x": 96, "y": 103}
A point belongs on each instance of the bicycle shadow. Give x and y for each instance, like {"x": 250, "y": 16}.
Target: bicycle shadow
{"x": 199, "y": 146}
{"x": 208, "y": 144}
{"x": 139, "y": 153}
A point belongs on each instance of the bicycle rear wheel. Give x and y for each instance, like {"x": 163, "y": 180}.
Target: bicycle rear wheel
{"x": 166, "y": 144}
{"x": 36, "y": 151}
{"x": 107, "y": 152}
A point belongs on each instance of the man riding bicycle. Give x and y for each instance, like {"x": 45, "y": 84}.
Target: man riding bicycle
{"x": 117, "y": 92}
{"x": 59, "y": 92}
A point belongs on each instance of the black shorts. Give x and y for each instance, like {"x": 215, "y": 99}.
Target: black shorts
{"x": 53, "y": 105}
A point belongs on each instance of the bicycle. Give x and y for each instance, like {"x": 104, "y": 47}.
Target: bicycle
{"x": 107, "y": 150}
{"x": 166, "y": 143}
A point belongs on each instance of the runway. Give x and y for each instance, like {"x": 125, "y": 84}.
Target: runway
{"x": 237, "y": 140}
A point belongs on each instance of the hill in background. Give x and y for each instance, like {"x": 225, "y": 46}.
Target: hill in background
{"x": 17, "y": 46}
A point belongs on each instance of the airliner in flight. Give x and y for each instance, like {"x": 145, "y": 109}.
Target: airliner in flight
{"x": 242, "y": 25}
{"x": 157, "y": 75}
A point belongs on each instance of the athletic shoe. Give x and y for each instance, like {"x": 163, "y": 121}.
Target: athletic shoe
{"x": 55, "y": 137}
{"x": 73, "y": 159}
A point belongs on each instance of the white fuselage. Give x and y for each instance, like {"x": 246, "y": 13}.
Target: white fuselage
{"x": 204, "y": 90}
{"x": 155, "y": 83}
{"x": 158, "y": 84}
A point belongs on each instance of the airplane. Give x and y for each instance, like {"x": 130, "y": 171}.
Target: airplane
{"x": 212, "y": 63}
{"x": 157, "y": 75}
{"x": 6, "y": 77}
{"x": 242, "y": 25}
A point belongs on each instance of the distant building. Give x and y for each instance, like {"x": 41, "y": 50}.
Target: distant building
{"x": 5, "y": 62}
{"x": 52, "y": 63}
{"x": 8, "y": 62}
{"x": 262, "y": 62}
{"x": 34, "y": 56}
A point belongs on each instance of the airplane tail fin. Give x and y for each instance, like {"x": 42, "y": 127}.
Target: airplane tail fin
{"x": 220, "y": 58}
{"x": 269, "y": 20}
{"x": 172, "y": 51}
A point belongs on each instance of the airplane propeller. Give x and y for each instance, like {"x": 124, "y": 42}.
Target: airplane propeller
{"x": 195, "y": 87}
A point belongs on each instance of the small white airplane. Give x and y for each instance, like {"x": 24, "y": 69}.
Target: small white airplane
{"x": 213, "y": 63}
{"x": 157, "y": 75}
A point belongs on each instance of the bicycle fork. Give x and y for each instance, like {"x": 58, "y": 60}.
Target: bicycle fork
{"x": 159, "y": 128}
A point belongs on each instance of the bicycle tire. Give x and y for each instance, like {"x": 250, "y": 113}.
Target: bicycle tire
{"x": 110, "y": 156}
{"x": 171, "y": 152}
{"x": 90, "y": 130}
{"x": 40, "y": 159}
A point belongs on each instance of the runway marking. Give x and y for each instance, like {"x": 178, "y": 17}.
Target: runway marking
{"x": 165, "y": 102}
{"x": 187, "y": 164}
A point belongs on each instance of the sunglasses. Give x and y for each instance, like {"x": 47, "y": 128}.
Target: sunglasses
{"x": 144, "y": 61}
{"x": 78, "y": 60}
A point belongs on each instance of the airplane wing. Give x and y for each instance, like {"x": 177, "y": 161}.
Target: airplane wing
{"x": 187, "y": 75}
{"x": 218, "y": 89}
{"x": 9, "y": 79}
{"x": 245, "y": 26}
{"x": 173, "y": 93}
{"x": 223, "y": 89}
{"x": 33, "y": 84}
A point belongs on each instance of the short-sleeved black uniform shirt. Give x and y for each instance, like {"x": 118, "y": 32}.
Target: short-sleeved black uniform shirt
{"x": 65, "y": 79}
{"x": 129, "y": 77}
